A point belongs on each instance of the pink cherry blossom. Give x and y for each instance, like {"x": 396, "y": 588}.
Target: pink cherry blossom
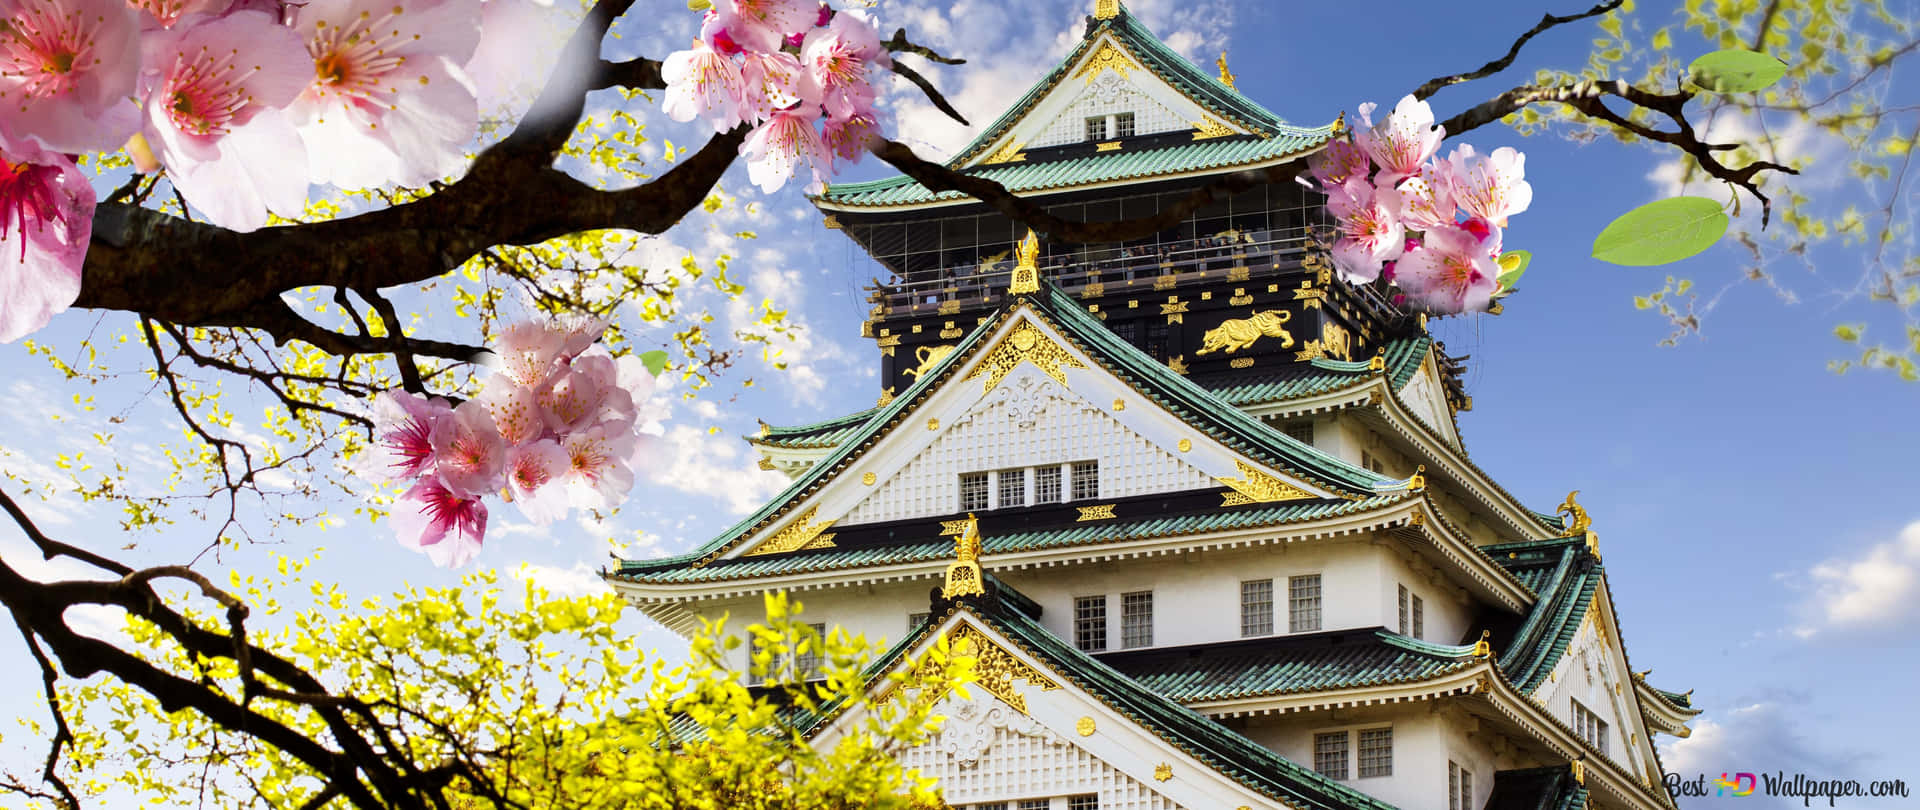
{"x": 515, "y": 411}
{"x": 528, "y": 351}
{"x": 46, "y": 218}
{"x": 470, "y": 451}
{"x": 447, "y": 526}
{"x": 1369, "y": 226}
{"x": 581, "y": 333}
{"x": 703, "y": 83}
{"x": 774, "y": 82}
{"x": 1449, "y": 273}
{"x": 763, "y": 25}
{"x": 1428, "y": 196}
{"x": 779, "y": 147}
{"x": 1339, "y": 162}
{"x": 404, "y": 423}
{"x": 66, "y": 69}
{"x": 572, "y": 399}
{"x": 1399, "y": 144}
{"x": 533, "y": 479}
{"x": 1490, "y": 186}
{"x": 598, "y": 476}
{"x": 849, "y": 138}
{"x": 213, "y": 88}
{"x": 838, "y": 57}
{"x": 167, "y": 12}
{"x": 386, "y": 103}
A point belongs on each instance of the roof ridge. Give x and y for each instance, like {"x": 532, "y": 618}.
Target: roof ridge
{"x": 1425, "y": 647}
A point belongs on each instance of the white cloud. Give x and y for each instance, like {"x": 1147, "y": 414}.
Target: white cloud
{"x": 1878, "y": 590}
{"x": 580, "y": 580}
{"x": 1764, "y": 736}
{"x": 717, "y": 466}
{"x": 1788, "y": 142}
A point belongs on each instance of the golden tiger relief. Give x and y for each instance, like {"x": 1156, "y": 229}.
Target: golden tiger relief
{"x": 1238, "y": 334}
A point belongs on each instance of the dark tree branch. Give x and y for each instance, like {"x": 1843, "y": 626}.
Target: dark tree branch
{"x": 1547, "y": 21}
{"x": 933, "y": 95}
{"x": 62, "y": 733}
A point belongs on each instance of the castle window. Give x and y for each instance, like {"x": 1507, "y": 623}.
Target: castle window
{"x": 1097, "y": 128}
{"x": 914, "y": 620}
{"x": 1330, "y": 754}
{"x": 1013, "y": 488}
{"x": 991, "y": 806}
{"x": 1046, "y": 484}
{"x": 1256, "y": 607}
{"x": 1303, "y": 603}
{"x": 1403, "y": 610}
{"x": 1123, "y": 125}
{"x": 1157, "y": 341}
{"x": 1086, "y": 480}
{"x": 1301, "y": 431}
{"x": 1413, "y": 614}
{"x": 1035, "y": 804}
{"x": 1419, "y": 618}
{"x": 1459, "y": 787}
{"x": 1136, "y": 619}
{"x": 807, "y": 664}
{"x": 1589, "y": 727}
{"x": 1090, "y": 623}
{"x": 973, "y": 492}
{"x": 1376, "y": 752}
{"x": 1088, "y": 801}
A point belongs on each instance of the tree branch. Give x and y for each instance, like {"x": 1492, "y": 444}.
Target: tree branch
{"x": 1547, "y": 21}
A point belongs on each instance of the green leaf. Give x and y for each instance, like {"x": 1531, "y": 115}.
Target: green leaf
{"x": 1513, "y": 265}
{"x": 1849, "y": 332}
{"x": 1735, "y": 71}
{"x": 656, "y": 362}
{"x": 1661, "y": 232}
{"x": 699, "y": 5}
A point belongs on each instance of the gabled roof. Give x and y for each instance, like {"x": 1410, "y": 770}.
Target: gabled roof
{"x": 1257, "y": 135}
{"x": 1052, "y": 306}
{"x": 1280, "y": 665}
{"x": 1318, "y": 376}
{"x": 1218, "y": 747}
{"x": 1564, "y": 575}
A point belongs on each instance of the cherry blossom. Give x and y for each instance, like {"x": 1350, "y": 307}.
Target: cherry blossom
{"x": 167, "y": 12}
{"x": 1339, "y": 162}
{"x": 386, "y": 103}
{"x": 598, "y": 474}
{"x": 779, "y": 147}
{"x": 515, "y": 411}
{"x": 521, "y": 42}
{"x": 213, "y": 90}
{"x": 533, "y": 480}
{"x": 404, "y": 424}
{"x": 703, "y": 83}
{"x": 764, "y": 25}
{"x": 1370, "y": 229}
{"x": 470, "y": 451}
{"x": 837, "y": 58}
{"x": 1428, "y": 198}
{"x": 773, "y": 83}
{"x": 1450, "y": 272}
{"x": 66, "y": 69}
{"x": 527, "y": 352}
{"x": 1490, "y": 186}
{"x": 1401, "y": 142}
{"x": 848, "y": 139}
{"x": 572, "y": 399}
{"x": 445, "y": 525}
{"x": 46, "y": 218}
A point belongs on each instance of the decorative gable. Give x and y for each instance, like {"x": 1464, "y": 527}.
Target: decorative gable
{"x": 1426, "y": 397}
{"x": 987, "y": 752}
{"x": 1591, "y": 682}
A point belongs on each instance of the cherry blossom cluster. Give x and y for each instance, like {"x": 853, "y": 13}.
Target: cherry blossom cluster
{"x": 797, "y": 71}
{"x": 1430, "y": 226}
{"x": 243, "y": 103}
{"x": 554, "y": 427}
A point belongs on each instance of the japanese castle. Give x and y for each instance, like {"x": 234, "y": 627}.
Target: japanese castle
{"x": 1200, "y": 510}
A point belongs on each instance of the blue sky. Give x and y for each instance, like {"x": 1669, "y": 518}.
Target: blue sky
{"x": 1757, "y": 513}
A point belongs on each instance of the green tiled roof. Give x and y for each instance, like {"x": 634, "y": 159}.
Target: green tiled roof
{"x": 1128, "y": 164}
{"x": 829, "y": 433}
{"x": 1274, "y": 137}
{"x": 677, "y": 570}
{"x": 1680, "y": 700}
{"x": 1318, "y": 376}
{"x": 1549, "y": 788}
{"x": 1564, "y": 576}
{"x": 1288, "y": 664}
{"x": 1184, "y": 399}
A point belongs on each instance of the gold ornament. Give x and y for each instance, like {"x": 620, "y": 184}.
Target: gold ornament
{"x": 799, "y": 534}
{"x": 1026, "y": 274}
{"x": 929, "y": 356}
{"x": 1162, "y": 772}
{"x": 1091, "y": 513}
{"x": 1085, "y": 726}
{"x": 1226, "y": 76}
{"x": 1238, "y": 334}
{"x": 995, "y": 669}
{"x": 1207, "y": 128}
{"x": 1009, "y": 153}
{"x": 868, "y": 479}
{"x": 1109, "y": 57}
{"x": 1025, "y": 344}
{"x": 1254, "y": 486}
{"x": 963, "y": 575}
{"x": 1186, "y": 445}
{"x": 1106, "y": 9}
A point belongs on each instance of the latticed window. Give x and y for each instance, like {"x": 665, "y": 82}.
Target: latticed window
{"x": 807, "y": 664}
{"x": 1136, "y": 619}
{"x": 1046, "y": 484}
{"x": 1013, "y": 488}
{"x": 1404, "y": 627}
{"x": 1376, "y": 752}
{"x": 1086, "y": 480}
{"x": 914, "y": 620}
{"x": 1588, "y": 726}
{"x": 1459, "y": 787}
{"x": 1330, "y": 754}
{"x": 1256, "y": 607}
{"x": 1303, "y": 603}
{"x": 1419, "y": 618}
{"x": 1301, "y": 431}
{"x": 1123, "y": 125}
{"x": 1088, "y": 801}
{"x": 991, "y": 806}
{"x": 1097, "y": 128}
{"x": 1090, "y": 623}
{"x": 973, "y": 492}
{"x": 1035, "y": 804}
{"x": 1157, "y": 341}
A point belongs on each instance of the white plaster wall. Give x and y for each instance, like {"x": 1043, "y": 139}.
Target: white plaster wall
{"x": 1106, "y": 95}
{"x": 1591, "y": 673}
{"x": 1421, "y": 743}
{"x": 1448, "y": 608}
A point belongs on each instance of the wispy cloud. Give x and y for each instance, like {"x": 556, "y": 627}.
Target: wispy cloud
{"x": 580, "y": 580}
{"x": 717, "y": 466}
{"x": 1878, "y": 590}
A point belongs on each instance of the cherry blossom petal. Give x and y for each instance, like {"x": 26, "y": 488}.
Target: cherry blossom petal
{"x": 598, "y": 476}
{"x": 1490, "y": 186}
{"x": 515, "y": 412}
{"x": 534, "y": 479}
{"x": 447, "y": 526}
{"x": 470, "y": 451}
{"x": 1449, "y": 273}
{"x": 66, "y": 70}
{"x": 703, "y": 83}
{"x": 403, "y": 435}
{"x": 781, "y": 146}
{"x": 1370, "y": 231}
{"x": 1401, "y": 142}
{"x": 46, "y": 218}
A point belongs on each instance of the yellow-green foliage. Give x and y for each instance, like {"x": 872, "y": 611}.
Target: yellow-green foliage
{"x": 547, "y": 704}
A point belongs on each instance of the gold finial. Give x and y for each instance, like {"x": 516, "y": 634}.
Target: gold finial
{"x": 1026, "y": 274}
{"x": 1340, "y": 124}
{"x": 1578, "y": 521}
{"x": 1580, "y": 771}
{"x": 1418, "y": 483}
{"x": 1378, "y": 362}
{"x": 764, "y": 427}
{"x": 963, "y": 575}
{"x": 1106, "y": 9}
{"x": 1484, "y": 647}
{"x": 1226, "y": 76}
